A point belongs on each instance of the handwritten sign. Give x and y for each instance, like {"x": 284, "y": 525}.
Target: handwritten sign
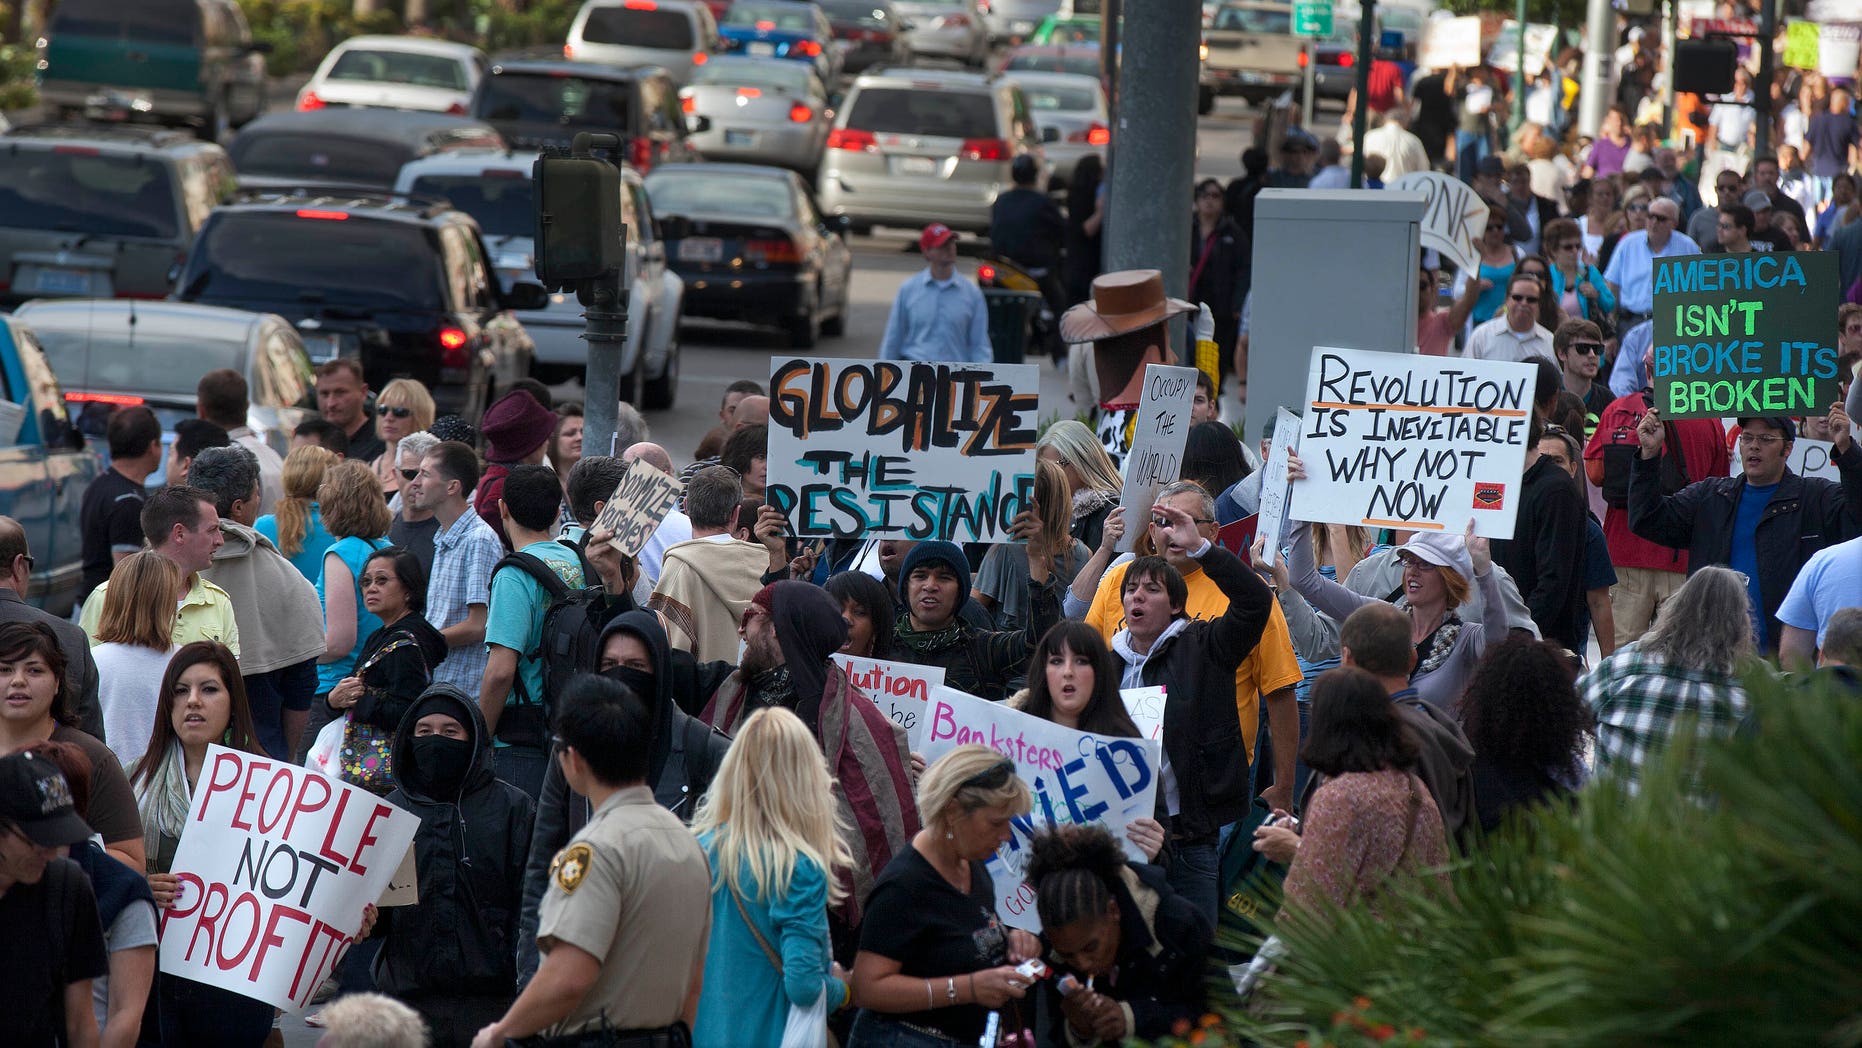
{"x": 275, "y": 867}
{"x": 1448, "y": 43}
{"x": 1156, "y": 459}
{"x": 1746, "y": 334}
{"x": 1274, "y": 484}
{"x": 900, "y": 448}
{"x": 1808, "y": 458}
{"x": 1504, "y": 54}
{"x": 1454, "y": 217}
{"x": 1076, "y": 777}
{"x": 1146, "y": 706}
{"x": 639, "y": 503}
{"x": 899, "y": 689}
{"x": 1405, "y": 441}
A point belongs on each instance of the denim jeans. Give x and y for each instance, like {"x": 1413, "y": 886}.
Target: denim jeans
{"x": 202, "y": 1016}
{"x": 1194, "y": 868}
{"x": 1470, "y": 147}
{"x": 522, "y": 767}
{"x": 269, "y": 694}
{"x": 872, "y": 1030}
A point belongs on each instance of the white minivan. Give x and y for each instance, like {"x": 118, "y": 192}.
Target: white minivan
{"x": 678, "y": 35}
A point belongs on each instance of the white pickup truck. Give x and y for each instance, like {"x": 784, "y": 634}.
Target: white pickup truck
{"x": 1249, "y": 50}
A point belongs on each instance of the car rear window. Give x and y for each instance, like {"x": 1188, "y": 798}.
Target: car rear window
{"x": 779, "y": 16}
{"x": 502, "y": 204}
{"x": 71, "y": 189}
{"x": 1046, "y": 98}
{"x": 774, "y": 72}
{"x": 534, "y": 98}
{"x": 915, "y": 111}
{"x": 319, "y": 158}
{"x": 400, "y": 67}
{"x": 144, "y": 21}
{"x": 1255, "y": 19}
{"x": 1084, "y": 65}
{"x": 353, "y": 262}
{"x": 864, "y": 12}
{"x": 146, "y": 364}
{"x": 639, "y": 27}
{"x": 689, "y": 189}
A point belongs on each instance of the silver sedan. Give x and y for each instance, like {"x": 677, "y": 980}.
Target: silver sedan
{"x": 758, "y": 110}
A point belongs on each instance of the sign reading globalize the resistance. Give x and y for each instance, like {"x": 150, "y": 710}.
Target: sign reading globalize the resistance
{"x": 900, "y": 448}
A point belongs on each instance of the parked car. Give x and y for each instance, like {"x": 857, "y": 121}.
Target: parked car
{"x": 109, "y": 355}
{"x": 759, "y": 110}
{"x": 1070, "y": 111}
{"x": 1081, "y": 59}
{"x": 676, "y": 35}
{"x": 867, "y": 33}
{"x": 176, "y": 62}
{"x": 495, "y": 189}
{"x": 1012, "y": 22}
{"x": 406, "y": 286}
{"x": 396, "y": 72}
{"x": 751, "y": 245}
{"x": 951, "y": 29}
{"x": 539, "y": 104}
{"x": 912, "y": 146}
{"x": 45, "y": 468}
{"x": 793, "y": 30}
{"x": 351, "y": 147}
{"x": 1250, "y": 51}
{"x": 102, "y": 210}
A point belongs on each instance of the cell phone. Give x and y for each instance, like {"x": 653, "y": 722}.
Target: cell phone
{"x": 1032, "y": 968}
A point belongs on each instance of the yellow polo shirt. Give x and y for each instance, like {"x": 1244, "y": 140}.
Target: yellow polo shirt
{"x": 206, "y": 613}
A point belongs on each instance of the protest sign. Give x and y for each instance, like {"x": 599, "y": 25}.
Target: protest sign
{"x": 1800, "y": 45}
{"x": 1163, "y": 424}
{"x": 1404, "y": 441}
{"x": 639, "y": 503}
{"x": 1238, "y": 537}
{"x": 1504, "y": 54}
{"x": 1076, "y": 777}
{"x": 1454, "y": 216}
{"x": 1808, "y": 458}
{"x": 1449, "y": 43}
{"x": 275, "y": 867}
{"x": 1837, "y": 47}
{"x": 902, "y": 448}
{"x": 1274, "y": 483}
{"x": 899, "y": 689}
{"x": 1746, "y": 334}
{"x": 1146, "y": 706}
{"x": 404, "y": 887}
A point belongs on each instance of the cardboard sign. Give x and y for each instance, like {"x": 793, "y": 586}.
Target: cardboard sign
{"x": 1454, "y": 217}
{"x": 1274, "y": 483}
{"x": 899, "y": 689}
{"x": 901, "y": 448}
{"x": 1504, "y": 54}
{"x": 404, "y": 886}
{"x": 1394, "y": 440}
{"x": 1808, "y": 458}
{"x": 1146, "y": 706}
{"x": 1448, "y": 43}
{"x": 275, "y": 867}
{"x": 1800, "y": 45}
{"x": 639, "y": 503}
{"x": 1156, "y": 457}
{"x": 1747, "y": 334}
{"x": 1076, "y": 777}
{"x": 1238, "y": 537}
{"x": 1837, "y": 46}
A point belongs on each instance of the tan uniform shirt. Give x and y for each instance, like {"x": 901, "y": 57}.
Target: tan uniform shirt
{"x": 633, "y": 890}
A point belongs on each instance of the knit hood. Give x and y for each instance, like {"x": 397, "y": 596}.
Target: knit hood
{"x": 280, "y": 618}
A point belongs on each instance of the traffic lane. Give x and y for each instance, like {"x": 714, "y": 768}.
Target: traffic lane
{"x": 1225, "y": 132}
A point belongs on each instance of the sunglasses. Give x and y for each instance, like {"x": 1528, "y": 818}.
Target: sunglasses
{"x": 1587, "y": 348}
{"x": 994, "y": 777}
{"x": 1637, "y": 209}
{"x": 409, "y": 474}
{"x": 1524, "y": 298}
{"x": 384, "y": 411}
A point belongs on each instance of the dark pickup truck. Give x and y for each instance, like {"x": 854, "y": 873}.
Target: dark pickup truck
{"x": 45, "y": 468}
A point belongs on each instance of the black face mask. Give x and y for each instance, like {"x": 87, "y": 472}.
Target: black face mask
{"x": 439, "y": 765}
{"x": 644, "y": 685}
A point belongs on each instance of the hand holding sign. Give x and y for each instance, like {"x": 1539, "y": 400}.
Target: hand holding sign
{"x": 1479, "y": 551}
{"x": 617, "y": 570}
{"x": 1649, "y": 434}
{"x": 1840, "y": 434}
{"x": 1113, "y": 531}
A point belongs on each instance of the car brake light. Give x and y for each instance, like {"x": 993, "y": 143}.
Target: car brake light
{"x": 984, "y": 149}
{"x": 771, "y": 251}
{"x": 805, "y": 47}
{"x": 749, "y": 92}
{"x": 457, "y": 109}
{"x": 1096, "y": 134}
{"x": 328, "y": 216}
{"x": 764, "y": 27}
{"x": 308, "y": 101}
{"x": 688, "y": 105}
{"x": 641, "y": 5}
{"x": 1345, "y": 58}
{"x": 640, "y": 155}
{"x": 853, "y": 141}
{"x": 700, "y": 58}
{"x": 800, "y": 114}
{"x": 986, "y": 273}
{"x": 453, "y": 348}
{"x": 122, "y": 400}
{"x": 568, "y": 51}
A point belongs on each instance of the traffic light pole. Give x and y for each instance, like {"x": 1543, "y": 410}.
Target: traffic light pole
{"x": 581, "y": 246}
{"x": 605, "y": 330}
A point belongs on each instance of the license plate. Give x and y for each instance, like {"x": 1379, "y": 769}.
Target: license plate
{"x": 739, "y": 138}
{"x": 914, "y": 165}
{"x": 701, "y": 249}
{"x": 51, "y": 280}
{"x": 763, "y": 50}
{"x": 323, "y": 348}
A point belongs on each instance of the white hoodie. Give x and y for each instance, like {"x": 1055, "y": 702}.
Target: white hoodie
{"x": 1134, "y": 678}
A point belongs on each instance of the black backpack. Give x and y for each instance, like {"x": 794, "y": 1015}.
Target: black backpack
{"x": 569, "y": 643}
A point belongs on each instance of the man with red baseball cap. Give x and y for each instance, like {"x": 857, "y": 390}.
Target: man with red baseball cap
{"x": 938, "y": 315}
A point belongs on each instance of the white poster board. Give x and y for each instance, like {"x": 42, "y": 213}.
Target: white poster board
{"x": 1504, "y": 54}
{"x": 275, "y": 867}
{"x": 1275, "y": 487}
{"x": 1454, "y": 216}
{"x": 1156, "y": 457}
{"x": 1808, "y": 458}
{"x": 900, "y": 448}
{"x": 1146, "y": 706}
{"x": 1449, "y": 43}
{"x": 1406, "y": 441}
{"x": 639, "y": 503}
{"x": 899, "y": 689}
{"x": 1076, "y": 777}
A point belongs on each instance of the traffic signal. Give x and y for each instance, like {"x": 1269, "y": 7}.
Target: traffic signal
{"x": 579, "y": 233}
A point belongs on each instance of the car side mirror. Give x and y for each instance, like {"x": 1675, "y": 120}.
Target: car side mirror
{"x": 697, "y": 125}
{"x": 526, "y": 295}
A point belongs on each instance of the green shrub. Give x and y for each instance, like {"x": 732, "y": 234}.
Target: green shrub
{"x": 18, "y": 63}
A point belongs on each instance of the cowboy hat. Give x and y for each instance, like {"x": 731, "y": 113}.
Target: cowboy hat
{"x": 1126, "y": 301}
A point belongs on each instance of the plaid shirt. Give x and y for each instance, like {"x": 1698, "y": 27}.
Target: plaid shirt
{"x": 1638, "y": 700}
{"x": 463, "y": 557}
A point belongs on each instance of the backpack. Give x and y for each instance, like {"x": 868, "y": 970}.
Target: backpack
{"x": 569, "y": 642}
{"x": 1617, "y": 462}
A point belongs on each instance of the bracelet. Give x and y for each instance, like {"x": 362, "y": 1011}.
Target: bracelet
{"x": 929, "y": 1004}
{"x": 973, "y": 999}
{"x": 950, "y": 988}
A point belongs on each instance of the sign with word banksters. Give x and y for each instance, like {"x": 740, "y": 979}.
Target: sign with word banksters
{"x": 1076, "y": 778}
{"x": 900, "y": 448}
{"x": 1398, "y": 440}
{"x": 1744, "y": 335}
{"x": 275, "y": 867}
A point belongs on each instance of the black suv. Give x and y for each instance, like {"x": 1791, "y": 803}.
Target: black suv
{"x": 538, "y": 104}
{"x": 404, "y": 284}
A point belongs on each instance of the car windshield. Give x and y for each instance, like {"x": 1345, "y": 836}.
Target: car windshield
{"x": 641, "y": 26}
{"x": 771, "y": 16}
{"x": 1074, "y": 31}
{"x": 147, "y": 364}
{"x": 319, "y": 158}
{"x": 76, "y": 189}
{"x": 688, "y": 190}
{"x": 502, "y": 203}
{"x": 145, "y": 21}
{"x": 1255, "y": 19}
{"x": 400, "y": 67}
{"x": 354, "y": 262}
{"x": 909, "y": 111}
{"x": 865, "y": 12}
{"x": 1052, "y": 98}
{"x": 774, "y": 72}
{"x": 1084, "y": 65}
{"x": 529, "y": 98}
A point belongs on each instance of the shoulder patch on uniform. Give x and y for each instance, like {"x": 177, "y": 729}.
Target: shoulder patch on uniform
{"x": 571, "y": 865}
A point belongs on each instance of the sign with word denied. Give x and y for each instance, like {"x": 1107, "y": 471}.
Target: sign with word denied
{"x": 900, "y": 448}
{"x": 1405, "y": 441}
{"x": 1156, "y": 459}
{"x": 639, "y": 503}
{"x": 1076, "y": 777}
{"x": 275, "y": 866}
{"x": 1748, "y": 334}
{"x": 899, "y": 689}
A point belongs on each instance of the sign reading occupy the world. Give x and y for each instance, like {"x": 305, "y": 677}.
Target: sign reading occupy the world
{"x": 901, "y": 448}
{"x": 1076, "y": 778}
{"x": 1156, "y": 459}
{"x": 1745, "y": 335}
{"x": 1405, "y": 441}
{"x": 275, "y": 867}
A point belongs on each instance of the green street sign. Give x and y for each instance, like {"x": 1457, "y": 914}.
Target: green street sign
{"x": 1312, "y": 19}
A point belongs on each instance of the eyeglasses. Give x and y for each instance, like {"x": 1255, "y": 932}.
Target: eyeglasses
{"x": 27, "y": 557}
{"x": 1567, "y": 245}
{"x": 384, "y": 411}
{"x": 1759, "y": 440}
{"x": 1528, "y": 299}
{"x": 377, "y": 580}
{"x": 1209, "y": 194}
{"x": 409, "y": 474}
{"x": 1160, "y": 522}
{"x": 994, "y": 777}
{"x": 1587, "y": 348}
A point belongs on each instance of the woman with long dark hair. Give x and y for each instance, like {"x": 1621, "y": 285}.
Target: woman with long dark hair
{"x": 869, "y": 609}
{"x": 1528, "y": 727}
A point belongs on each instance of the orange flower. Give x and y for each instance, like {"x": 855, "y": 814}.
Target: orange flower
{"x": 1362, "y": 1004}
{"x": 1382, "y": 1032}
{"x": 1210, "y": 1019}
{"x": 1301, "y": 1044}
{"x": 1198, "y": 1037}
{"x": 1180, "y": 1028}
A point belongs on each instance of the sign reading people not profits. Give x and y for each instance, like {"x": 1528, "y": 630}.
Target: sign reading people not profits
{"x": 902, "y": 448}
{"x": 1745, "y": 335}
{"x": 1404, "y": 441}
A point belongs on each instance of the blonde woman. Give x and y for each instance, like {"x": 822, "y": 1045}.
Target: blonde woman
{"x": 1002, "y": 582}
{"x": 767, "y": 825}
{"x": 296, "y": 526}
{"x": 357, "y": 516}
{"x": 934, "y": 959}
{"x": 134, "y": 643}
{"x": 403, "y": 406}
{"x": 1093, "y": 481}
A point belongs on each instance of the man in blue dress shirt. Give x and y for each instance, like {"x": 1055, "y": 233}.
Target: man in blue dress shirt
{"x": 938, "y": 315}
